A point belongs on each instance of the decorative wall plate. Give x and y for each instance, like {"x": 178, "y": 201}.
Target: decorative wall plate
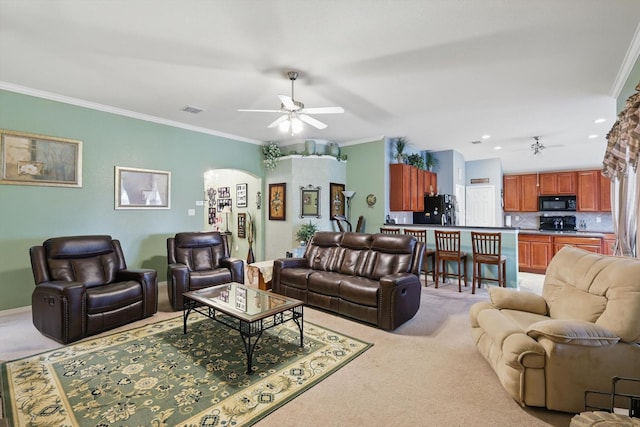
{"x": 371, "y": 200}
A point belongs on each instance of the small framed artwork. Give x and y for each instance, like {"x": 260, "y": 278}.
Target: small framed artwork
{"x": 278, "y": 202}
{"x": 241, "y": 195}
{"x": 142, "y": 188}
{"x": 224, "y": 202}
{"x": 224, "y": 192}
{"x": 30, "y": 159}
{"x": 310, "y": 201}
{"x": 242, "y": 225}
{"x": 336, "y": 204}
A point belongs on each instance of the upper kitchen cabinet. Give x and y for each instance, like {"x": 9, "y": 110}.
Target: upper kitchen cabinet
{"x": 558, "y": 183}
{"x": 593, "y": 192}
{"x": 520, "y": 193}
{"x": 407, "y": 187}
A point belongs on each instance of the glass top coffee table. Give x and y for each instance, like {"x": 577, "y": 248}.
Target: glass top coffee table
{"x": 247, "y": 310}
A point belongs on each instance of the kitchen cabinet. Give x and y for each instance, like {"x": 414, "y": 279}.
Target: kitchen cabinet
{"x": 520, "y": 193}
{"x": 534, "y": 252}
{"x": 594, "y": 192}
{"x": 591, "y": 244}
{"x": 588, "y": 197}
{"x": 558, "y": 183}
{"x": 605, "y": 193}
{"x": 608, "y": 240}
{"x": 408, "y": 186}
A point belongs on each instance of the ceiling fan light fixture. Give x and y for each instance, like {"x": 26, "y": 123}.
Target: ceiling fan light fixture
{"x": 284, "y": 126}
{"x": 296, "y": 126}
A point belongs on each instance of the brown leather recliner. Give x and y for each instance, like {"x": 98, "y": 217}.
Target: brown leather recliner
{"x": 83, "y": 287}
{"x": 198, "y": 260}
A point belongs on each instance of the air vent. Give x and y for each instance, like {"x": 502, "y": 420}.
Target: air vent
{"x": 191, "y": 109}
{"x": 476, "y": 142}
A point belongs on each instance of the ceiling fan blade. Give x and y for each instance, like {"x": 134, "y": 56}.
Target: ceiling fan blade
{"x": 279, "y": 120}
{"x": 288, "y": 102}
{"x": 260, "y": 111}
{"x": 323, "y": 110}
{"x": 313, "y": 122}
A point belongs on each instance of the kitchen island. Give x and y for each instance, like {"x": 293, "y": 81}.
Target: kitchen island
{"x": 509, "y": 247}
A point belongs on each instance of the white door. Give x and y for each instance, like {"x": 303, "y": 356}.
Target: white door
{"x": 481, "y": 206}
{"x": 461, "y": 205}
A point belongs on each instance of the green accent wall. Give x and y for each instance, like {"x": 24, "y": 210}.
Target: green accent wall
{"x": 367, "y": 173}
{"x": 31, "y": 214}
{"x": 629, "y": 87}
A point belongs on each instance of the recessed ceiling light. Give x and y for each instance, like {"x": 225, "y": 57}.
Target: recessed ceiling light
{"x": 497, "y": 147}
{"x": 592, "y": 136}
{"x": 600, "y": 120}
{"x": 485, "y": 136}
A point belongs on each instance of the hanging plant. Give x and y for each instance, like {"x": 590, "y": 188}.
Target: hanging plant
{"x": 271, "y": 153}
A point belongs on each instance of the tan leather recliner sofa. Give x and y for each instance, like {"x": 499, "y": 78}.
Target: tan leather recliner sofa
{"x": 585, "y": 328}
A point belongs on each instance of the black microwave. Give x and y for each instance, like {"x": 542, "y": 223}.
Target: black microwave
{"x": 557, "y": 203}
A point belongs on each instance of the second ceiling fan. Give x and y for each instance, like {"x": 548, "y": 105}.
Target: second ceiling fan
{"x": 294, "y": 112}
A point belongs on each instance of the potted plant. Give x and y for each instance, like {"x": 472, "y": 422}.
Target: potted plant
{"x": 416, "y": 160}
{"x": 431, "y": 161}
{"x": 305, "y": 233}
{"x": 271, "y": 153}
{"x": 400, "y": 144}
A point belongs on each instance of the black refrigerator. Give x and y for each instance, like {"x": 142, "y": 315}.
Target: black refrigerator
{"x": 439, "y": 209}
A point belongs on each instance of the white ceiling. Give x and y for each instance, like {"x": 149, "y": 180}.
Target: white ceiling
{"x": 440, "y": 72}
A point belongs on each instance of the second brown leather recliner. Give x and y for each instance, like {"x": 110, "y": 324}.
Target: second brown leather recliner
{"x": 198, "y": 260}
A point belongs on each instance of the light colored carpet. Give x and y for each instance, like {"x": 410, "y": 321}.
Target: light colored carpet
{"x": 425, "y": 373}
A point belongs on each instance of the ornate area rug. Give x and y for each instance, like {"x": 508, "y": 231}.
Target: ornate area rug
{"x": 157, "y": 376}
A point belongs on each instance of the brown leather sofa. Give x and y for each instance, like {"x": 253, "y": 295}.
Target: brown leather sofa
{"x": 198, "y": 260}
{"x": 373, "y": 278}
{"x": 83, "y": 287}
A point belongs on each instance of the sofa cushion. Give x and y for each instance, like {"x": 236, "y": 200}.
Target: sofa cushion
{"x": 204, "y": 279}
{"x": 578, "y": 332}
{"x": 359, "y": 290}
{"x": 326, "y": 283}
{"x": 571, "y": 303}
{"x": 611, "y": 279}
{"x": 295, "y": 277}
{"x": 113, "y": 296}
{"x": 517, "y": 300}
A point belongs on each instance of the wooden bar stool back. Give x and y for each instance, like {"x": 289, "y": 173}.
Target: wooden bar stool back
{"x": 448, "y": 250}
{"x": 487, "y": 249}
{"x": 387, "y": 230}
{"x": 429, "y": 254}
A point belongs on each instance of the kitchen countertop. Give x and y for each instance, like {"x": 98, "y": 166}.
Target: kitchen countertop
{"x": 598, "y": 234}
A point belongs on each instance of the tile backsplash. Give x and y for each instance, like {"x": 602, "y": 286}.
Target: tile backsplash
{"x": 531, "y": 220}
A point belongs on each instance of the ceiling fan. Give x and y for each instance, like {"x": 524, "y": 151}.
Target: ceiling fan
{"x": 537, "y": 147}
{"x": 294, "y": 112}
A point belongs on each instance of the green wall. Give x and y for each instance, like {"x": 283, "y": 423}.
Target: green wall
{"x": 367, "y": 172}
{"x": 31, "y": 214}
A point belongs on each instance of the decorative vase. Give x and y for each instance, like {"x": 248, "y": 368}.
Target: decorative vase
{"x": 250, "y": 258}
{"x": 310, "y": 147}
{"x": 334, "y": 149}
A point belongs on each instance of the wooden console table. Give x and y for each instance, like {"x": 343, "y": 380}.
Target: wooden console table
{"x": 260, "y": 272}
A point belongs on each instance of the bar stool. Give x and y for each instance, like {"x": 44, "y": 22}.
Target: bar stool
{"x": 429, "y": 254}
{"x": 487, "y": 249}
{"x": 448, "y": 249}
{"x": 387, "y": 230}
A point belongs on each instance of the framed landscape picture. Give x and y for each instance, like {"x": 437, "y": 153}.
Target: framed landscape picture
{"x": 142, "y": 188}
{"x": 278, "y": 202}
{"x": 31, "y": 159}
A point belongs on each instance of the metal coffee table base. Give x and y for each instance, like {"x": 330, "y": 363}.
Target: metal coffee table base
{"x": 250, "y": 332}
